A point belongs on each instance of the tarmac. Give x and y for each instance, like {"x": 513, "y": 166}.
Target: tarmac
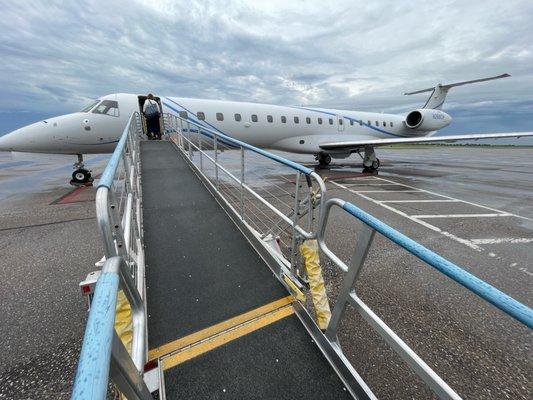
{"x": 471, "y": 205}
{"x": 48, "y": 243}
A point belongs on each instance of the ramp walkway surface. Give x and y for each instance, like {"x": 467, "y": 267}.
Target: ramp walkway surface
{"x": 218, "y": 319}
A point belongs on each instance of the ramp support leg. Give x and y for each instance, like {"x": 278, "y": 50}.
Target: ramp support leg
{"x": 364, "y": 240}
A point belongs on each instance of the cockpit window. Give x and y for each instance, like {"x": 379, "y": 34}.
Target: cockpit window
{"x": 88, "y": 107}
{"x": 108, "y": 107}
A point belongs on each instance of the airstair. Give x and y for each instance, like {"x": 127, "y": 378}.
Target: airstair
{"x": 210, "y": 287}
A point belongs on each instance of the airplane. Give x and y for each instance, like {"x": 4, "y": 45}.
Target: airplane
{"x": 325, "y": 133}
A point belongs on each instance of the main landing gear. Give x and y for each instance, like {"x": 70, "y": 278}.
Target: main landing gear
{"x": 323, "y": 159}
{"x": 80, "y": 176}
{"x": 370, "y": 161}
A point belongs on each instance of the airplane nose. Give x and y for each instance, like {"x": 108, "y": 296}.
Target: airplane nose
{"x": 10, "y": 141}
{"x": 28, "y": 138}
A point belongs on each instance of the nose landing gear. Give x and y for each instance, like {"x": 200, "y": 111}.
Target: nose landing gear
{"x": 81, "y": 176}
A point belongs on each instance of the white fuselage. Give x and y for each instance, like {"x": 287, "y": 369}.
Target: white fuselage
{"x": 293, "y": 129}
{"x": 303, "y": 130}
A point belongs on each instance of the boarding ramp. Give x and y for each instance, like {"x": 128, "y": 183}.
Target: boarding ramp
{"x": 224, "y": 312}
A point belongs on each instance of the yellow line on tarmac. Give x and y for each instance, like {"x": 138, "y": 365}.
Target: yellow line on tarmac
{"x": 216, "y": 329}
{"x": 226, "y": 337}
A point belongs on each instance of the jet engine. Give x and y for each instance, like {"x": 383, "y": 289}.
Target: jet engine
{"x": 426, "y": 119}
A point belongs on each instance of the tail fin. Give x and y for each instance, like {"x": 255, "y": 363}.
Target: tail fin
{"x": 439, "y": 92}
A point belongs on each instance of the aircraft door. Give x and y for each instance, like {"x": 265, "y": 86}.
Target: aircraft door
{"x": 340, "y": 123}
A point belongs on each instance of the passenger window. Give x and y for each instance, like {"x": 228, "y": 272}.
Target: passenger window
{"x": 351, "y": 122}
{"x": 238, "y": 117}
{"x": 183, "y": 114}
{"x": 368, "y": 123}
{"x": 361, "y": 122}
{"x": 377, "y": 123}
{"x": 384, "y": 124}
{"x": 220, "y": 117}
{"x": 308, "y": 120}
{"x": 107, "y": 107}
{"x": 319, "y": 121}
{"x": 296, "y": 120}
{"x": 341, "y": 121}
{"x": 331, "y": 121}
{"x": 283, "y": 119}
{"x": 391, "y": 125}
{"x": 200, "y": 115}
{"x": 254, "y": 118}
{"x": 269, "y": 118}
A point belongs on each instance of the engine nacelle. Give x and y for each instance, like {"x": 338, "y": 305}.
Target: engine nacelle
{"x": 426, "y": 119}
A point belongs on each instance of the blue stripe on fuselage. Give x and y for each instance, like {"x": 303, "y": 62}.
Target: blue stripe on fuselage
{"x": 93, "y": 144}
{"x": 359, "y": 121}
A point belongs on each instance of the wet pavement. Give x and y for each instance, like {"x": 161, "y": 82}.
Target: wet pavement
{"x": 48, "y": 242}
{"x": 473, "y": 206}
{"x": 483, "y": 221}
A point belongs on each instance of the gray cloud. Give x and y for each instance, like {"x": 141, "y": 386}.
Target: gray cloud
{"x": 57, "y": 55}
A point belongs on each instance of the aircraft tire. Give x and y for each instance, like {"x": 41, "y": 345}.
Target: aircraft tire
{"x": 81, "y": 176}
{"x": 324, "y": 160}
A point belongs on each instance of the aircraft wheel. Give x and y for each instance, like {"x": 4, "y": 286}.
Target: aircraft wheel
{"x": 376, "y": 164}
{"x": 81, "y": 176}
{"x": 324, "y": 160}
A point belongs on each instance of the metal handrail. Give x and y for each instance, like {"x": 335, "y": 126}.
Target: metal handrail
{"x": 119, "y": 218}
{"x": 115, "y": 232}
{"x": 102, "y": 351}
{"x": 211, "y": 133}
{"x": 347, "y": 293}
{"x": 292, "y": 219}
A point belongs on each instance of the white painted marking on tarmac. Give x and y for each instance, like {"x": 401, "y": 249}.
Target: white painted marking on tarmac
{"x": 502, "y": 240}
{"x": 458, "y": 239}
{"x": 421, "y": 201}
{"x": 460, "y": 216}
{"x": 473, "y": 244}
{"x": 462, "y": 201}
{"x": 382, "y": 191}
{"x": 373, "y": 184}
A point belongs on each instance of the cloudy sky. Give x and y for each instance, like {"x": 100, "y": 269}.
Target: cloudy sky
{"x": 363, "y": 55}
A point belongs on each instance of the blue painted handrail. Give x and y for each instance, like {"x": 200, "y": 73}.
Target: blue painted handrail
{"x": 245, "y": 145}
{"x": 106, "y": 180}
{"x": 93, "y": 366}
{"x": 504, "y": 302}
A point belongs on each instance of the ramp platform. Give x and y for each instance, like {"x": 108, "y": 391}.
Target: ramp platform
{"x": 218, "y": 318}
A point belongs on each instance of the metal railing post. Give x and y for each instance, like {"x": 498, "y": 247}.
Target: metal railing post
{"x": 189, "y": 144}
{"x": 125, "y": 375}
{"x": 296, "y": 213}
{"x": 242, "y": 183}
{"x": 181, "y": 134}
{"x": 200, "y": 150}
{"x": 364, "y": 240}
{"x": 215, "y": 147}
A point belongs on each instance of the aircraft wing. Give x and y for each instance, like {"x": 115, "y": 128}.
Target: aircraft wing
{"x": 354, "y": 144}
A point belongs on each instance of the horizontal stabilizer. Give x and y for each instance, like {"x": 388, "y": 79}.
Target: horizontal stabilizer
{"x": 450, "y": 85}
{"x": 356, "y": 144}
{"x": 439, "y": 92}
